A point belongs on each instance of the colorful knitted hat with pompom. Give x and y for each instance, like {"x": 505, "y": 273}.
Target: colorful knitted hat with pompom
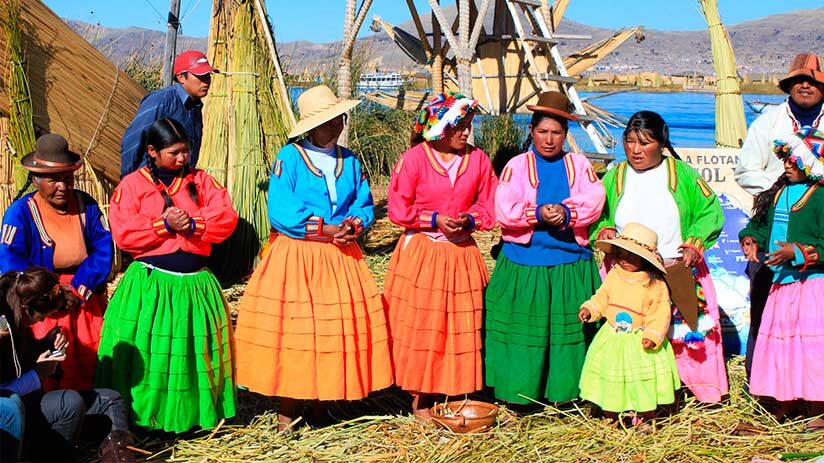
{"x": 806, "y": 149}
{"x": 445, "y": 110}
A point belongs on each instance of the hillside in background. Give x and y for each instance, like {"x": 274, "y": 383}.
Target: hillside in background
{"x": 761, "y": 46}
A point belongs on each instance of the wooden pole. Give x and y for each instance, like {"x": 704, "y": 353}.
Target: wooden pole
{"x": 437, "y": 58}
{"x": 464, "y": 59}
{"x": 171, "y": 42}
{"x": 351, "y": 26}
{"x": 270, "y": 41}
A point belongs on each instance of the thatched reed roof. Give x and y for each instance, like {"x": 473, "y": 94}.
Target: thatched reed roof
{"x": 76, "y": 91}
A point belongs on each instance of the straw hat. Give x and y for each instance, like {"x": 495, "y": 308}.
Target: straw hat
{"x": 317, "y": 106}
{"x": 805, "y": 65}
{"x": 806, "y": 149}
{"x": 52, "y": 155}
{"x": 553, "y": 103}
{"x": 639, "y": 240}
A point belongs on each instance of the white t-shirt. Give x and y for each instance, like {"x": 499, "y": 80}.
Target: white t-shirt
{"x": 325, "y": 160}
{"x": 647, "y": 200}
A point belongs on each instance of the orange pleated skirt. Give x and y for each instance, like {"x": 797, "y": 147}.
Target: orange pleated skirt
{"x": 434, "y": 293}
{"x": 81, "y": 327}
{"x": 312, "y": 325}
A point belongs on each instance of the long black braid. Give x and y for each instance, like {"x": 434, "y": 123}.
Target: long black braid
{"x": 160, "y": 135}
{"x": 22, "y": 191}
{"x": 762, "y": 202}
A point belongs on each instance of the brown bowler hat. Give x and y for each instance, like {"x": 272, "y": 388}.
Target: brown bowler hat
{"x": 803, "y": 65}
{"x": 553, "y": 103}
{"x": 52, "y": 155}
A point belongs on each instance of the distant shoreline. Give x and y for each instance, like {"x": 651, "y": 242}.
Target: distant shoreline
{"x": 753, "y": 89}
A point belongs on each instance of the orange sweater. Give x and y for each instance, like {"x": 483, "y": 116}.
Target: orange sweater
{"x": 647, "y": 305}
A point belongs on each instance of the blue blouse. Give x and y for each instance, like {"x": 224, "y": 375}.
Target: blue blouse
{"x": 550, "y": 245}
{"x": 299, "y": 198}
{"x": 788, "y": 272}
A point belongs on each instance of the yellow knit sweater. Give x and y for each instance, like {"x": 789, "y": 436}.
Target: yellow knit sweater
{"x": 645, "y": 302}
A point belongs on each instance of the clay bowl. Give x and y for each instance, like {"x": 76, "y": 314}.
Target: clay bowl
{"x": 464, "y": 416}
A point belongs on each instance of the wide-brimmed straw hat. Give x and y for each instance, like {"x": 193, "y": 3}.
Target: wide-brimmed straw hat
{"x": 803, "y": 65}
{"x": 806, "y": 149}
{"x": 639, "y": 240}
{"x": 51, "y": 155}
{"x": 553, "y": 103}
{"x": 317, "y": 106}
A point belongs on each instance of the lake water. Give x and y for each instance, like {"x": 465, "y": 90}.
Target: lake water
{"x": 690, "y": 116}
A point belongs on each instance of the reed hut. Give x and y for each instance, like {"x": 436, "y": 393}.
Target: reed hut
{"x": 503, "y": 53}
{"x": 247, "y": 116}
{"x": 53, "y": 80}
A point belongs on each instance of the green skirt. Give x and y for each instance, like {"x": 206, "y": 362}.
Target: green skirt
{"x": 167, "y": 347}
{"x": 620, "y": 375}
{"x": 534, "y": 344}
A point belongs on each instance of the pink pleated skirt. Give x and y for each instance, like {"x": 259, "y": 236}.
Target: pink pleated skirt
{"x": 702, "y": 368}
{"x": 788, "y": 362}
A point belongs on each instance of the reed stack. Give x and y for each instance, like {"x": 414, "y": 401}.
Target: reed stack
{"x": 730, "y": 124}
{"x": 247, "y": 116}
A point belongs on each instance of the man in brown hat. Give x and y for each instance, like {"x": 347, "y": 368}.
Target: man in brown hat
{"x": 758, "y": 168}
{"x": 180, "y": 101}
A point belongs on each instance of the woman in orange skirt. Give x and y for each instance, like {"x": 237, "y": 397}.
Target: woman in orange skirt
{"x": 441, "y": 191}
{"x": 312, "y": 324}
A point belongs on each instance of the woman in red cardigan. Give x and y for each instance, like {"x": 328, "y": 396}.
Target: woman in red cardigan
{"x": 441, "y": 191}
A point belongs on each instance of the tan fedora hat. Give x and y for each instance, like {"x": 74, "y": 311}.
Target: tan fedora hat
{"x": 51, "y": 155}
{"x": 318, "y": 105}
{"x": 803, "y": 65}
{"x": 553, "y": 103}
{"x": 639, "y": 240}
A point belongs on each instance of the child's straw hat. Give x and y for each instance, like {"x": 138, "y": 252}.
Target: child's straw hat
{"x": 639, "y": 240}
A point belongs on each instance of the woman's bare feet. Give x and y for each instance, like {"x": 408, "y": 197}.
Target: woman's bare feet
{"x": 816, "y": 425}
{"x": 285, "y": 424}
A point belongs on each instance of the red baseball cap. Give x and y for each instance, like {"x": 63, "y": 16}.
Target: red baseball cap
{"x": 193, "y": 61}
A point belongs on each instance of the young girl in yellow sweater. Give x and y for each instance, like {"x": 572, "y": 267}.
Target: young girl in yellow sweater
{"x": 630, "y": 365}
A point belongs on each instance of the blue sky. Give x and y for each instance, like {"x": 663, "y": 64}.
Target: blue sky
{"x": 321, "y": 20}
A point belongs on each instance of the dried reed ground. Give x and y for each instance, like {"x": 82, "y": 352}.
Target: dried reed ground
{"x": 387, "y": 433}
{"x": 379, "y": 428}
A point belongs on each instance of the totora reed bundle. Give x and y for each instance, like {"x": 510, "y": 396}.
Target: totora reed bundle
{"x": 20, "y": 129}
{"x": 245, "y": 124}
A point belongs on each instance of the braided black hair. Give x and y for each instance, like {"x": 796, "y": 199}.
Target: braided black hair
{"x": 160, "y": 135}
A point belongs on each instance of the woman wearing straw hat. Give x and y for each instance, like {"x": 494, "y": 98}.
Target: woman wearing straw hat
{"x": 630, "y": 365}
{"x": 670, "y": 197}
{"x": 441, "y": 191}
{"x": 545, "y": 201}
{"x": 312, "y": 323}
{"x": 63, "y": 230}
{"x": 166, "y": 344}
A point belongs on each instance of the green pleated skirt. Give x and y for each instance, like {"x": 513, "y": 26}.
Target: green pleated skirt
{"x": 534, "y": 344}
{"x": 620, "y": 375}
{"x": 167, "y": 347}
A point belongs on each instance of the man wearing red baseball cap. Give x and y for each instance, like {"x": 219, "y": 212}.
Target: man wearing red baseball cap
{"x": 180, "y": 101}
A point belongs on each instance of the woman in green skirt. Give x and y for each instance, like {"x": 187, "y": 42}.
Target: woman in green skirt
{"x": 546, "y": 199}
{"x": 166, "y": 343}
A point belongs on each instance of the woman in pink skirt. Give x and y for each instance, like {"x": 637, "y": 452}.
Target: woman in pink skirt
{"x": 787, "y": 362}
